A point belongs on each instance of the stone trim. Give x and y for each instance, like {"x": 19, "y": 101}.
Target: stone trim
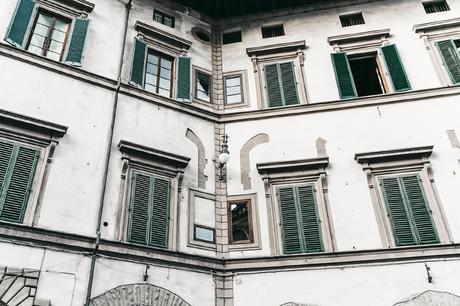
{"x": 224, "y": 289}
{"x": 436, "y": 25}
{"x": 271, "y": 169}
{"x": 245, "y": 164}
{"x": 202, "y": 161}
{"x": 276, "y": 48}
{"x": 392, "y": 155}
{"x": 367, "y": 35}
{"x": 192, "y": 242}
{"x": 151, "y": 33}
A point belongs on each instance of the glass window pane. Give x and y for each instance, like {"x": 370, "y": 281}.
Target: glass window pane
{"x": 56, "y": 47}
{"x": 205, "y": 234}
{"x": 61, "y": 25}
{"x": 234, "y": 99}
{"x": 150, "y": 79}
{"x": 35, "y": 50}
{"x": 157, "y": 17}
{"x": 58, "y": 36}
{"x": 152, "y": 69}
{"x": 232, "y": 81}
{"x": 164, "y": 92}
{"x": 203, "y": 96}
{"x": 37, "y": 40}
{"x": 235, "y": 90}
{"x": 165, "y": 63}
{"x": 203, "y": 86}
{"x": 150, "y": 88}
{"x": 240, "y": 222}
{"x": 53, "y": 56}
{"x": 165, "y": 84}
{"x": 165, "y": 73}
{"x": 41, "y": 29}
{"x": 167, "y": 21}
{"x": 44, "y": 19}
{"x": 152, "y": 58}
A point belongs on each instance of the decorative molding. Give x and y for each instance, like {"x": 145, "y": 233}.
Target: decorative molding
{"x": 202, "y": 161}
{"x": 290, "y": 167}
{"x": 436, "y": 25}
{"x": 431, "y": 297}
{"x": 367, "y": 35}
{"x": 321, "y": 150}
{"x": 453, "y": 139}
{"x": 155, "y": 34}
{"x": 245, "y": 164}
{"x": 138, "y": 294}
{"x": 276, "y": 48}
{"x": 81, "y": 5}
{"x": 392, "y": 155}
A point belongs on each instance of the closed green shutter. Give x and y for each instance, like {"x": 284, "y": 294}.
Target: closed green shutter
{"x": 138, "y": 64}
{"x": 300, "y": 224}
{"x": 395, "y": 68}
{"x": 77, "y": 42}
{"x": 289, "y": 83}
{"x": 273, "y": 86}
{"x": 451, "y": 59}
{"x": 149, "y": 211}
{"x": 408, "y": 210}
{"x": 343, "y": 75}
{"x": 20, "y": 23}
{"x": 17, "y": 171}
{"x": 184, "y": 79}
{"x": 281, "y": 84}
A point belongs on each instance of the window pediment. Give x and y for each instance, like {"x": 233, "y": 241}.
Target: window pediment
{"x": 419, "y": 153}
{"x": 74, "y": 6}
{"x": 155, "y": 35}
{"x": 293, "y": 167}
{"x": 437, "y": 25}
{"x": 361, "y": 36}
{"x": 277, "y": 48}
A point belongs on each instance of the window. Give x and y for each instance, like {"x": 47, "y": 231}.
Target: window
{"x": 281, "y": 84}
{"x": 158, "y": 73}
{"x": 202, "y": 220}
{"x": 450, "y": 54}
{"x": 233, "y": 90}
{"x": 272, "y": 31}
{"x": 298, "y": 206}
{"x": 162, "y": 18}
{"x": 202, "y": 86}
{"x": 239, "y": 222}
{"x": 436, "y": 7}
{"x": 60, "y": 37}
{"x": 351, "y": 20}
{"x": 367, "y": 74}
{"x": 231, "y": 37}
{"x": 404, "y": 198}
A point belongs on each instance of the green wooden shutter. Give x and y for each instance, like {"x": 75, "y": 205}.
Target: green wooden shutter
{"x": 159, "y": 226}
{"x": 395, "y": 68}
{"x": 20, "y": 23}
{"x": 421, "y": 213}
{"x": 138, "y": 64}
{"x": 77, "y": 42}
{"x": 451, "y": 59}
{"x": 273, "y": 86}
{"x": 289, "y": 83}
{"x": 292, "y": 242}
{"x": 139, "y": 209}
{"x": 17, "y": 173}
{"x": 343, "y": 75}
{"x": 184, "y": 79}
{"x": 310, "y": 219}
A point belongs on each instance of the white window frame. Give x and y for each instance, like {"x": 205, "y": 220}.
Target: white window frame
{"x": 242, "y": 74}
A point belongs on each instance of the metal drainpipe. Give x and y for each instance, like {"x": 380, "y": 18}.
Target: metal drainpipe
{"x": 107, "y": 161}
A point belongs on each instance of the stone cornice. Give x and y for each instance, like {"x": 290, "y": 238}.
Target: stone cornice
{"x": 339, "y": 39}
{"x": 276, "y": 48}
{"x": 436, "y": 25}
{"x": 392, "y": 155}
{"x": 158, "y": 34}
{"x": 292, "y": 166}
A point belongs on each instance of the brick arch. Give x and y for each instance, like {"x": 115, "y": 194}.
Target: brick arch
{"x": 431, "y": 297}
{"x": 138, "y": 294}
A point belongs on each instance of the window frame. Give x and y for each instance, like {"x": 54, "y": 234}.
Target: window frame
{"x": 161, "y": 55}
{"x": 193, "y": 242}
{"x": 230, "y": 32}
{"x": 163, "y": 15}
{"x": 424, "y": 3}
{"x": 271, "y": 27}
{"x": 198, "y": 70}
{"x": 349, "y": 15}
{"x": 242, "y": 74}
{"x": 402, "y": 162}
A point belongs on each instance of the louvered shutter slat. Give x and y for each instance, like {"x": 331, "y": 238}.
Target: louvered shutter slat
{"x": 139, "y": 210}
{"x": 451, "y": 59}
{"x": 159, "y": 226}
{"x": 395, "y": 68}
{"x": 20, "y": 22}
{"x": 289, "y": 221}
{"x": 138, "y": 63}
{"x": 421, "y": 213}
{"x": 343, "y": 75}
{"x": 289, "y": 83}
{"x": 272, "y": 85}
{"x": 184, "y": 79}
{"x": 20, "y": 184}
{"x": 310, "y": 220}
{"x": 6, "y": 150}
{"x": 398, "y": 214}
{"x": 77, "y": 42}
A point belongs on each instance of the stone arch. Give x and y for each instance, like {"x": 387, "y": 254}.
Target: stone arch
{"x": 431, "y": 297}
{"x": 193, "y": 137}
{"x": 244, "y": 158}
{"x": 138, "y": 294}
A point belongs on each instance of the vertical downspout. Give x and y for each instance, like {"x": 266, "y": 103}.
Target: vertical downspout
{"x": 107, "y": 160}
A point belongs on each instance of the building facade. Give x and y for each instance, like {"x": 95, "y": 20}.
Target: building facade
{"x": 339, "y": 118}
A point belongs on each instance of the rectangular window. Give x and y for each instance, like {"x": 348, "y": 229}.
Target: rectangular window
{"x": 231, "y": 37}
{"x": 351, "y": 20}
{"x": 408, "y": 210}
{"x": 158, "y": 73}
{"x": 367, "y": 74}
{"x": 49, "y": 35}
{"x": 17, "y": 170}
{"x": 240, "y": 226}
{"x": 202, "y": 86}
{"x": 203, "y": 233}
{"x": 299, "y": 218}
{"x": 273, "y": 31}
{"x": 281, "y": 84}
{"x": 163, "y": 18}
{"x": 233, "y": 90}
{"x": 436, "y": 7}
{"x": 149, "y": 210}
{"x": 450, "y": 54}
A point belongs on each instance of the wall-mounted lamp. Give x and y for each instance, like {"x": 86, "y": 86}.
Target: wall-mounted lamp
{"x": 224, "y": 157}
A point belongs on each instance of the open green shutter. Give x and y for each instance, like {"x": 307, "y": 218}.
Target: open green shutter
{"x": 311, "y": 225}
{"x": 421, "y": 213}
{"x": 20, "y": 23}
{"x": 184, "y": 79}
{"x": 395, "y": 68}
{"x": 451, "y": 59}
{"x": 343, "y": 75}
{"x": 138, "y": 64}
{"x": 403, "y": 231}
{"x": 17, "y": 182}
{"x": 273, "y": 85}
{"x": 289, "y": 83}
{"x": 290, "y": 229}
{"x": 77, "y": 42}
{"x": 139, "y": 209}
{"x": 159, "y": 225}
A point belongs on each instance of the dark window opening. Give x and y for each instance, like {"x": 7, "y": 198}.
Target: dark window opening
{"x": 367, "y": 75}
{"x": 239, "y": 222}
{"x": 457, "y": 44}
{"x": 203, "y": 86}
{"x": 232, "y": 37}
{"x": 163, "y": 18}
{"x": 436, "y": 7}
{"x": 158, "y": 73}
{"x": 352, "y": 20}
{"x": 273, "y": 31}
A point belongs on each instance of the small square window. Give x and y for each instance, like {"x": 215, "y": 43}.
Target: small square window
{"x": 231, "y": 37}
{"x": 273, "y": 31}
{"x": 351, "y": 20}
{"x": 436, "y": 7}
{"x": 163, "y": 18}
{"x": 203, "y": 233}
{"x": 233, "y": 90}
{"x": 240, "y": 226}
{"x": 202, "y": 86}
